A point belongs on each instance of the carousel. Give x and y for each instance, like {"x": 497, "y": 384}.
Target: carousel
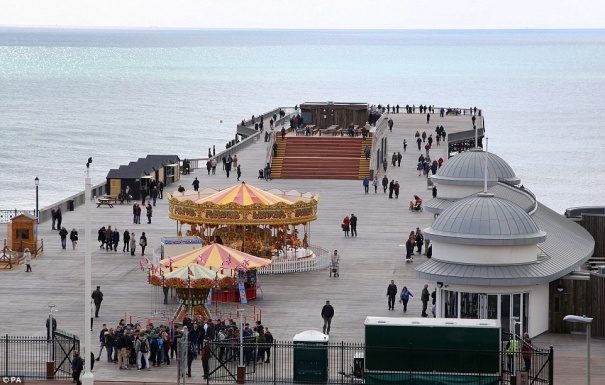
{"x": 238, "y": 270}
{"x": 268, "y": 224}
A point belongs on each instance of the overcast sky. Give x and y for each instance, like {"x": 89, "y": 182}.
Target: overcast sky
{"x": 307, "y": 14}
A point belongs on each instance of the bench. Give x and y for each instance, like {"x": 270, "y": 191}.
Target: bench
{"x": 105, "y": 202}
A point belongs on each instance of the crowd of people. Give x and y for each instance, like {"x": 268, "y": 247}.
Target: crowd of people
{"x": 110, "y": 240}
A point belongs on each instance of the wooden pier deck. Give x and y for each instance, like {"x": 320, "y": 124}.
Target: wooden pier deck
{"x": 292, "y": 302}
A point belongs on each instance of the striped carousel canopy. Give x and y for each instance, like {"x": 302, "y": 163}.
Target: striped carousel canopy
{"x": 244, "y": 194}
{"x": 216, "y": 256}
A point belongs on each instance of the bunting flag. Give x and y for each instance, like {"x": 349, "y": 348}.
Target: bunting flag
{"x": 189, "y": 271}
{"x": 199, "y": 260}
{"x": 142, "y": 266}
{"x": 170, "y": 262}
{"x": 146, "y": 261}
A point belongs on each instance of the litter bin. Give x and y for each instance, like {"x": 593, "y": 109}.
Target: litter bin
{"x": 358, "y": 365}
{"x": 70, "y": 205}
{"x": 311, "y": 357}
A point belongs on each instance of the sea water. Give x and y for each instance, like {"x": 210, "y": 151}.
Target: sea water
{"x": 117, "y": 95}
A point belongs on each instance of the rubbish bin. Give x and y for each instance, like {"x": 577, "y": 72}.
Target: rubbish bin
{"x": 311, "y": 357}
{"x": 358, "y": 365}
{"x": 70, "y": 205}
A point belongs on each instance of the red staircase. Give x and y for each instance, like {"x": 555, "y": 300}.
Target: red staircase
{"x": 321, "y": 157}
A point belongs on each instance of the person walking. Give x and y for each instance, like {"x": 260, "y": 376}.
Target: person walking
{"x": 235, "y": 162}
{"x": 394, "y": 159}
{"x": 366, "y": 184}
{"x": 404, "y": 297}
{"x": 196, "y": 184}
{"x": 137, "y": 214}
{"x": 391, "y": 294}
{"x": 77, "y": 365}
{"x": 419, "y": 237}
{"x": 97, "y": 298}
{"x": 409, "y": 250}
{"x": 205, "y": 356}
{"x": 424, "y": 297}
{"x": 73, "y": 237}
{"x": 375, "y": 184}
{"x": 366, "y": 151}
{"x": 327, "y": 313}
{"x": 390, "y": 123}
{"x": 59, "y": 217}
{"x": 385, "y": 184}
{"x": 526, "y": 350}
{"x": 154, "y": 195}
{"x": 396, "y": 189}
{"x": 133, "y": 244}
{"x": 53, "y": 215}
{"x": 27, "y": 257}
{"x": 353, "y": 222}
{"x": 102, "y": 341}
{"x": 143, "y": 243}
{"x": 405, "y": 145}
{"x": 63, "y": 235}
{"x": 239, "y": 170}
{"x": 213, "y": 164}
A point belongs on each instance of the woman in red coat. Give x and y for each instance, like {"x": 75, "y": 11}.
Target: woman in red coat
{"x": 346, "y": 225}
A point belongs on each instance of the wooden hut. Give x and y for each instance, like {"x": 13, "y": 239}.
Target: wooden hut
{"x": 324, "y": 114}
{"x": 144, "y": 173}
{"x": 23, "y": 233}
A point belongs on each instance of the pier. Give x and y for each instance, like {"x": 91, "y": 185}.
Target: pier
{"x": 292, "y": 302}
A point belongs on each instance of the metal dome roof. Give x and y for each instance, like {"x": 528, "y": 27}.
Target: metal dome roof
{"x": 485, "y": 220}
{"x": 467, "y": 169}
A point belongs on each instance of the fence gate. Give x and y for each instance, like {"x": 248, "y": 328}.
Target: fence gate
{"x": 62, "y": 348}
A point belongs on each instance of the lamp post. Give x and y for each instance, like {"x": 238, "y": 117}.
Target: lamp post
{"x": 241, "y": 369}
{"x": 87, "y": 378}
{"x": 583, "y": 320}
{"x": 37, "y": 182}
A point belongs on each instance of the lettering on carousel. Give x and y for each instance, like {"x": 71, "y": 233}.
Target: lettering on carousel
{"x": 269, "y": 214}
{"x": 303, "y": 212}
{"x": 184, "y": 211}
{"x": 222, "y": 214}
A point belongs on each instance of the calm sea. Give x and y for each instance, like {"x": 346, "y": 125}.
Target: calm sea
{"x": 118, "y": 95}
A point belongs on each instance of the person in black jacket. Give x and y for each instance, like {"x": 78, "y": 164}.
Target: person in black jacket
{"x": 391, "y": 294}
{"x": 63, "y": 234}
{"x": 327, "y": 313}
{"x": 126, "y": 247}
{"x": 77, "y": 365}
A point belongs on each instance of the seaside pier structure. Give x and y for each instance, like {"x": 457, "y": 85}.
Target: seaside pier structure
{"x": 292, "y": 302}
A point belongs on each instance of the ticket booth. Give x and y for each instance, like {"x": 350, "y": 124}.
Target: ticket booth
{"x": 23, "y": 233}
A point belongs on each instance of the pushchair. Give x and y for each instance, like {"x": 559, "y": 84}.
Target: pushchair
{"x": 261, "y": 174}
{"x": 334, "y": 269}
{"x": 417, "y": 204}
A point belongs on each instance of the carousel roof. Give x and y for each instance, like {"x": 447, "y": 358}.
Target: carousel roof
{"x": 217, "y": 256}
{"x": 243, "y": 194}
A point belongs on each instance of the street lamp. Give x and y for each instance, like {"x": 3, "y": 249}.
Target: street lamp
{"x": 87, "y": 378}
{"x": 37, "y": 182}
{"x": 583, "y": 320}
{"x": 241, "y": 369}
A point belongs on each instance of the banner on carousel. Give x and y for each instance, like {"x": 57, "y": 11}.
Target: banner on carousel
{"x": 242, "y": 289}
{"x": 181, "y": 241}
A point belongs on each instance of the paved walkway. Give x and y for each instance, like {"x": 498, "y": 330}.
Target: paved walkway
{"x": 292, "y": 302}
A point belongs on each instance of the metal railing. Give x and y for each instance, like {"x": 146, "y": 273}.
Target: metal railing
{"x": 339, "y": 363}
{"x": 28, "y": 357}
{"x": 7, "y": 215}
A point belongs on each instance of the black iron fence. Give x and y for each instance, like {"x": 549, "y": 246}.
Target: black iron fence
{"x": 37, "y": 358}
{"x": 340, "y": 363}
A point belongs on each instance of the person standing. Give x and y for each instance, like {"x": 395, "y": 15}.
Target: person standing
{"x": 235, "y": 161}
{"x": 149, "y": 212}
{"x": 133, "y": 244}
{"x": 419, "y": 240}
{"x": 335, "y": 262}
{"x": 366, "y": 184}
{"x": 108, "y": 241}
{"x": 115, "y": 239}
{"x": 391, "y": 189}
{"x": 390, "y": 122}
{"x": 239, "y": 170}
{"x": 405, "y": 145}
{"x": 53, "y": 215}
{"x": 526, "y": 349}
{"x": 346, "y": 225}
{"x": 97, "y": 298}
{"x": 73, "y": 237}
{"x": 59, "y": 217}
{"x": 375, "y": 184}
{"x": 205, "y": 356}
{"x": 405, "y": 297}
{"x": 126, "y": 247}
{"x": 77, "y": 365}
{"x": 327, "y": 313}
{"x": 143, "y": 243}
{"x": 385, "y": 184}
{"x": 396, "y": 189}
{"x": 213, "y": 163}
{"x": 353, "y": 222}
{"x": 391, "y": 294}
{"x": 161, "y": 189}
{"x": 27, "y": 256}
{"x": 269, "y": 343}
{"x": 409, "y": 248}
{"x": 196, "y": 184}
{"x": 366, "y": 151}
{"x": 63, "y": 235}
{"x": 399, "y": 158}
{"x": 424, "y": 297}
{"x": 228, "y": 164}
{"x": 154, "y": 194}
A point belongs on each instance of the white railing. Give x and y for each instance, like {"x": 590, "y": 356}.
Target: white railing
{"x": 320, "y": 260}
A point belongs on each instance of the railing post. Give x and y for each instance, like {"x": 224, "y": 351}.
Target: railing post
{"x": 342, "y": 361}
{"x": 551, "y": 371}
{"x": 6, "y": 356}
